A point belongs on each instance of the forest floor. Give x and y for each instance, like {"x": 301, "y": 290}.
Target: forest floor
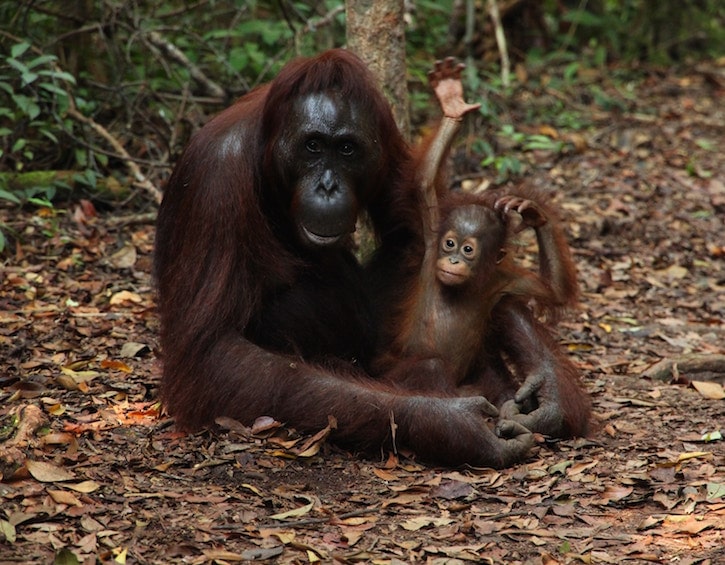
{"x": 110, "y": 480}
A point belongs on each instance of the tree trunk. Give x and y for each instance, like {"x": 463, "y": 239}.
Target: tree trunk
{"x": 376, "y": 32}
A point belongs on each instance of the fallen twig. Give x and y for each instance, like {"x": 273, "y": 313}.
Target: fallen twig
{"x": 665, "y": 369}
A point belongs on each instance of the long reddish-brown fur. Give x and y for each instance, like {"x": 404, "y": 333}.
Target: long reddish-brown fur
{"x": 477, "y": 329}
{"x": 253, "y": 323}
{"x": 221, "y": 241}
{"x": 507, "y": 345}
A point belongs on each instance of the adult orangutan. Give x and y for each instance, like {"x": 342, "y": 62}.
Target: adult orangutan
{"x": 452, "y": 328}
{"x": 264, "y": 309}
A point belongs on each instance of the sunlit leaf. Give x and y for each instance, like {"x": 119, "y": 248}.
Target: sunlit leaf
{"x": 64, "y": 497}
{"x": 124, "y": 297}
{"x": 120, "y": 555}
{"x": 712, "y": 436}
{"x": 294, "y": 513}
{"x": 708, "y": 389}
{"x": 84, "y": 487}
{"x": 8, "y": 531}
{"x": 254, "y": 489}
{"x": 694, "y": 455}
{"x": 79, "y": 376}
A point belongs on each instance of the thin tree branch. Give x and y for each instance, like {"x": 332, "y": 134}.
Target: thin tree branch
{"x": 501, "y": 42}
{"x": 141, "y": 179}
{"x": 174, "y": 53}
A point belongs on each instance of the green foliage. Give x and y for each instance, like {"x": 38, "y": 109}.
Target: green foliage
{"x": 643, "y": 30}
{"x": 428, "y": 26}
{"x": 151, "y": 102}
{"x": 34, "y": 93}
{"x": 508, "y": 163}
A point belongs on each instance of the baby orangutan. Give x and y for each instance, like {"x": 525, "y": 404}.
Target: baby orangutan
{"x": 464, "y": 275}
{"x": 466, "y": 326}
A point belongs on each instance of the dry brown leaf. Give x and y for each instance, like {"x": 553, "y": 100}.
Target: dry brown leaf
{"x": 688, "y": 524}
{"x": 47, "y": 472}
{"x": 358, "y": 520}
{"x": 286, "y": 537}
{"x": 222, "y": 555}
{"x": 134, "y": 349}
{"x": 713, "y": 391}
{"x": 79, "y": 376}
{"x": 664, "y": 500}
{"x": 352, "y": 535}
{"x": 124, "y": 297}
{"x": 64, "y": 497}
{"x": 451, "y": 490}
{"x": 650, "y": 522}
{"x": 84, "y": 486}
{"x": 385, "y": 475}
{"x": 57, "y": 438}
{"x": 262, "y": 553}
{"x": 124, "y": 258}
{"x": 406, "y": 499}
{"x": 614, "y": 493}
{"x": 264, "y": 424}
{"x": 548, "y": 559}
{"x": 579, "y": 468}
{"x": 673, "y": 272}
{"x": 415, "y": 524}
{"x": 163, "y": 467}
{"x": 311, "y": 446}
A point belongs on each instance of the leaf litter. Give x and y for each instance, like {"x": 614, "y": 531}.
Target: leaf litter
{"x": 93, "y": 471}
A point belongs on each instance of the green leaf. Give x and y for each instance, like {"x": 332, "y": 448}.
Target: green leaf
{"x": 40, "y": 201}
{"x": 18, "y": 66}
{"x": 18, "y": 49}
{"x": 59, "y": 75}
{"x": 81, "y": 156}
{"x": 583, "y": 18}
{"x": 706, "y": 144}
{"x": 42, "y": 60}
{"x": 50, "y": 87}
{"x": 28, "y": 78}
{"x": 49, "y": 134}
{"x": 27, "y": 105}
{"x": 66, "y": 557}
{"x": 571, "y": 71}
{"x": 238, "y": 59}
{"x": 9, "y": 196}
{"x": 542, "y": 142}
